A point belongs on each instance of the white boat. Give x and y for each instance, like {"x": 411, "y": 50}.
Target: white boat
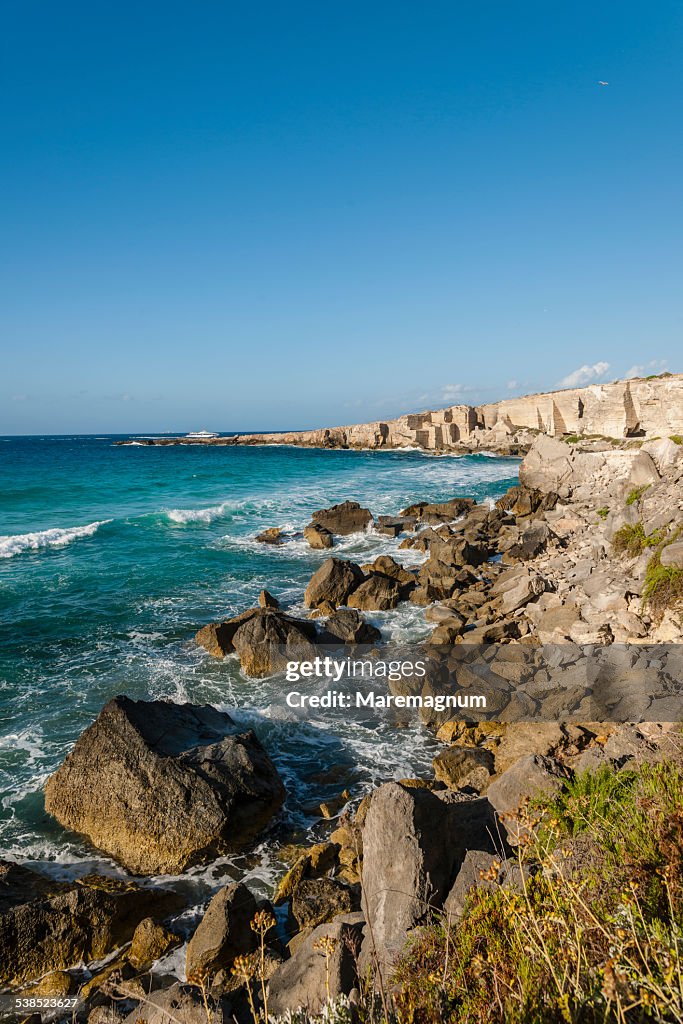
{"x": 201, "y": 435}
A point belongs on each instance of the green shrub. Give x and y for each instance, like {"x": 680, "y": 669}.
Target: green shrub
{"x": 603, "y": 512}
{"x": 676, "y": 438}
{"x": 636, "y": 494}
{"x": 572, "y": 438}
{"x": 591, "y": 930}
{"x": 663, "y": 585}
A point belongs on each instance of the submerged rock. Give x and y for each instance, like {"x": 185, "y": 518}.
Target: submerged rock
{"x": 160, "y": 786}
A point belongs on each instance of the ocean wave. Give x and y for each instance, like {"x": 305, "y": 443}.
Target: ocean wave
{"x": 17, "y": 544}
{"x": 182, "y": 516}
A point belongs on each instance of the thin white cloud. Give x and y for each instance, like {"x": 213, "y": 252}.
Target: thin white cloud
{"x": 454, "y": 391}
{"x": 584, "y": 374}
{"x": 640, "y": 369}
{"x": 512, "y": 385}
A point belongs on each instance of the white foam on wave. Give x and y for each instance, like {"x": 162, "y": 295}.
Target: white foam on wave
{"x": 17, "y": 544}
{"x": 182, "y": 516}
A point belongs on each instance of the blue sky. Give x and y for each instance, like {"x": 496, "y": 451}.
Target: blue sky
{"x": 261, "y": 216}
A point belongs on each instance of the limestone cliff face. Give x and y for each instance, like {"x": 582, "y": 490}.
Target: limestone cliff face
{"x": 634, "y": 408}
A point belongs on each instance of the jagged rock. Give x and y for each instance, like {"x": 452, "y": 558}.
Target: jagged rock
{"x": 48, "y": 926}
{"x": 313, "y": 863}
{"x": 664, "y": 452}
{"x": 333, "y": 582}
{"x": 317, "y": 900}
{"x": 150, "y": 942}
{"x": 273, "y": 535}
{"x": 448, "y": 631}
{"x": 224, "y": 931}
{"x": 438, "y": 512}
{"x": 160, "y": 786}
{"x": 529, "y": 777}
{"x": 393, "y": 525}
{"x": 348, "y": 626}
{"x": 413, "y": 846}
{"x": 532, "y": 541}
{"x": 266, "y": 600}
{"x": 525, "y": 501}
{"x": 385, "y": 565}
{"x": 217, "y": 637}
{"x": 305, "y": 980}
{"x": 269, "y": 639}
{"x": 318, "y": 536}
{"x": 459, "y": 767}
{"x": 343, "y": 519}
{"x": 378, "y": 593}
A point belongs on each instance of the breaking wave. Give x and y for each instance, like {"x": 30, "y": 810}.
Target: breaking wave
{"x": 17, "y": 544}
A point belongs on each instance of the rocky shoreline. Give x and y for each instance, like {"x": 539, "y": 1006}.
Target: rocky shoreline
{"x": 643, "y": 408}
{"x": 583, "y": 556}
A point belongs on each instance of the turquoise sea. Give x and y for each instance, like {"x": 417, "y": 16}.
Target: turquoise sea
{"x": 111, "y": 558}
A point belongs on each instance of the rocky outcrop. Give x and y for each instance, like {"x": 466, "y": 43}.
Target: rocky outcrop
{"x": 347, "y": 626}
{"x": 224, "y": 931}
{"x": 413, "y": 846}
{"x": 160, "y": 786}
{"x": 343, "y": 519}
{"x": 322, "y": 967}
{"x": 639, "y": 408}
{"x": 49, "y": 926}
{"x": 269, "y": 639}
{"x": 332, "y": 584}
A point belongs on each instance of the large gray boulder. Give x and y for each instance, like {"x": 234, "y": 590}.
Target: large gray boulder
{"x": 224, "y": 931}
{"x": 413, "y": 846}
{"x": 333, "y": 582}
{"x": 160, "y": 786}
{"x": 50, "y": 926}
{"x": 303, "y": 980}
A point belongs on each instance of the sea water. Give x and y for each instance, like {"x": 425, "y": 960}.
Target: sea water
{"x": 111, "y": 557}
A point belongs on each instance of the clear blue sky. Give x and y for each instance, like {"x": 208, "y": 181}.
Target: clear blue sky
{"x": 260, "y": 216}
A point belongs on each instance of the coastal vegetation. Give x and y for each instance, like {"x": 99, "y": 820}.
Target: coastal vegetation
{"x": 593, "y": 931}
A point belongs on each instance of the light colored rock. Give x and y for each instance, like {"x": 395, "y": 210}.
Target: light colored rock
{"x": 672, "y": 555}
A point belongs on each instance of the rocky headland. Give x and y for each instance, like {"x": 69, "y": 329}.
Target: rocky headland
{"x": 565, "y": 601}
{"x": 643, "y": 408}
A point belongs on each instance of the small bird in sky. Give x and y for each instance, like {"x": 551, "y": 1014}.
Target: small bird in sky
{"x": 603, "y": 83}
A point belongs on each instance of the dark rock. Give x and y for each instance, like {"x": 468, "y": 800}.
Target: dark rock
{"x": 273, "y": 535}
{"x": 63, "y": 924}
{"x": 160, "y": 786}
{"x": 333, "y": 582}
{"x": 348, "y": 626}
{"x": 150, "y": 942}
{"x": 224, "y": 932}
{"x": 526, "y": 501}
{"x": 266, "y": 600}
{"x": 317, "y": 900}
{"x": 439, "y": 512}
{"x": 391, "y": 526}
{"x": 269, "y": 639}
{"x": 348, "y": 517}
